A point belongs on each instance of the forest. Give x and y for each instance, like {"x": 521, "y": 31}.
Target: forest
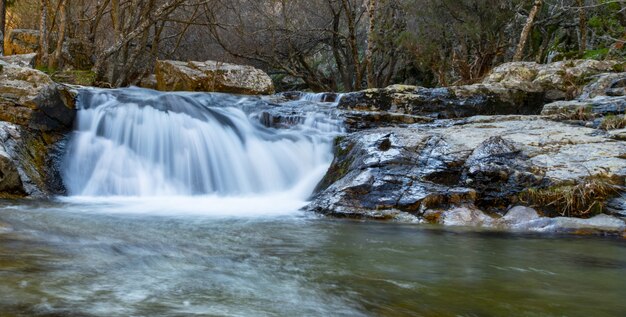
{"x": 319, "y": 45}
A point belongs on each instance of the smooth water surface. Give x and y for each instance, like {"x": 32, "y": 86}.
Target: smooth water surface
{"x": 75, "y": 258}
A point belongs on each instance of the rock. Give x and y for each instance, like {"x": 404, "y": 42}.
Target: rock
{"x": 21, "y": 41}
{"x": 480, "y": 162}
{"x": 598, "y": 224}
{"x": 30, "y": 98}
{"x": 608, "y": 84}
{"x": 34, "y": 157}
{"x": 23, "y": 60}
{"x": 518, "y": 216}
{"x": 451, "y": 102}
{"x": 560, "y": 80}
{"x": 10, "y": 182}
{"x": 36, "y": 115}
{"x": 463, "y": 216}
{"x": 212, "y": 76}
{"x": 360, "y": 120}
{"x": 149, "y": 82}
{"x": 598, "y": 106}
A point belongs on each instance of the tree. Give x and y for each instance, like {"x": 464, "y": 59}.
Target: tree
{"x": 519, "y": 52}
{"x": 3, "y": 22}
{"x": 371, "y": 12}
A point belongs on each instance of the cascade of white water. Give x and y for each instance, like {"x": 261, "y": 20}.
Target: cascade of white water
{"x": 136, "y": 142}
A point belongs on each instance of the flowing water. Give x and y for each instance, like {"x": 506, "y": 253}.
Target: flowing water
{"x": 185, "y": 204}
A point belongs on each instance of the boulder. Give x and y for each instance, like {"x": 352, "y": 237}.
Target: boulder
{"x": 36, "y": 115}
{"x": 596, "y": 107}
{"x": 21, "y": 41}
{"x": 482, "y": 163}
{"x": 607, "y": 84}
{"x": 23, "y": 60}
{"x": 512, "y": 88}
{"x": 443, "y": 103}
{"x": 212, "y": 76}
{"x": 560, "y": 80}
{"x": 31, "y": 99}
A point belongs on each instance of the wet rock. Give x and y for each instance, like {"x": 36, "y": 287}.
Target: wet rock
{"x": 464, "y": 216}
{"x": 21, "y": 41}
{"x": 212, "y": 76}
{"x": 598, "y": 224}
{"x": 361, "y": 120}
{"x": 518, "y": 216}
{"x": 10, "y": 182}
{"x": 442, "y": 103}
{"x": 482, "y": 163}
{"x": 497, "y": 169}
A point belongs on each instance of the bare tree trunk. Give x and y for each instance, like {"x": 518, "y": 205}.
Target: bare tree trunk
{"x": 519, "y": 52}
{"x": 371, "y": 12}
{"x": 3, "y": 22}
{"x": 43, "y": 34}
{"x": 582, "y": 20}
{"x": 115, "y": 19}
{"x": 353, "y": 44}
{"x": 54, "y": 62}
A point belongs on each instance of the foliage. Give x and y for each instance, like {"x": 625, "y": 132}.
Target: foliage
{"x": 613, "y": 122}
{"x": 586, "y": 198}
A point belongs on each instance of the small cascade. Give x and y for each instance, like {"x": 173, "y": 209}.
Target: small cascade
{"x": 137, "y": 142}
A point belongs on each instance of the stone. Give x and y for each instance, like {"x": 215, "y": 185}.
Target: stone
{"x": 464, "y": 216}
{"x": 23, "y": 60}
{"x": 480, "y": 162}
{"x": 149, "y": 82}
{"x": 444, "y": 103}
{"x": 597, "y": 106}
{"x": 560, "y": 80}
{"x": 10, "y": 181}
{"x": 30, "y": 98}
{"x": 21, "y": 41}
{"x": 212, "y": 76}
{"x": 519, "y": 215}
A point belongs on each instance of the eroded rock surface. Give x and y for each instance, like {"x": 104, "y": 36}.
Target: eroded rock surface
{"x": 480, "y": 163}
{"x": 212, "y": 76}
{"x": 21, "y": 41}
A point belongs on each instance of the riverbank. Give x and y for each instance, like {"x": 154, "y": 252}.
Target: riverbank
{"x": 533, "y": 147}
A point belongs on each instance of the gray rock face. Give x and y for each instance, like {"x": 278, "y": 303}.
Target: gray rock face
{"x": 443, "y": 103}
{"x": 30, "y": 161}
{"x": 212, "y": 76}
{"x": 597, "y": 107}
{"x": 608, "y": 84}
{"x": 36, "y": 114}
{"x": 512, "y": 88}
{"x": 480, "y": 163}
{"x": 31, "y": 99}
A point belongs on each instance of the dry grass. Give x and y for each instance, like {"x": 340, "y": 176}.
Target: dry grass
{"x": 586, "y": 198}
{"x": 580, "y": 114}
{"x": 613, "y": 122}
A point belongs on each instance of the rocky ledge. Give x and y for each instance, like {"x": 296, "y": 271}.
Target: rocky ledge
{"x": 36, "y": 114}
{"x": 534, "y": 147}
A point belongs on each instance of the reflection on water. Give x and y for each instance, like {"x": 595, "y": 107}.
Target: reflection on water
{"x": 62, "y": 259}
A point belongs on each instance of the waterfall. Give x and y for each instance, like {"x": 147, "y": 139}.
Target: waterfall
{"x": 138, "y": 142}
